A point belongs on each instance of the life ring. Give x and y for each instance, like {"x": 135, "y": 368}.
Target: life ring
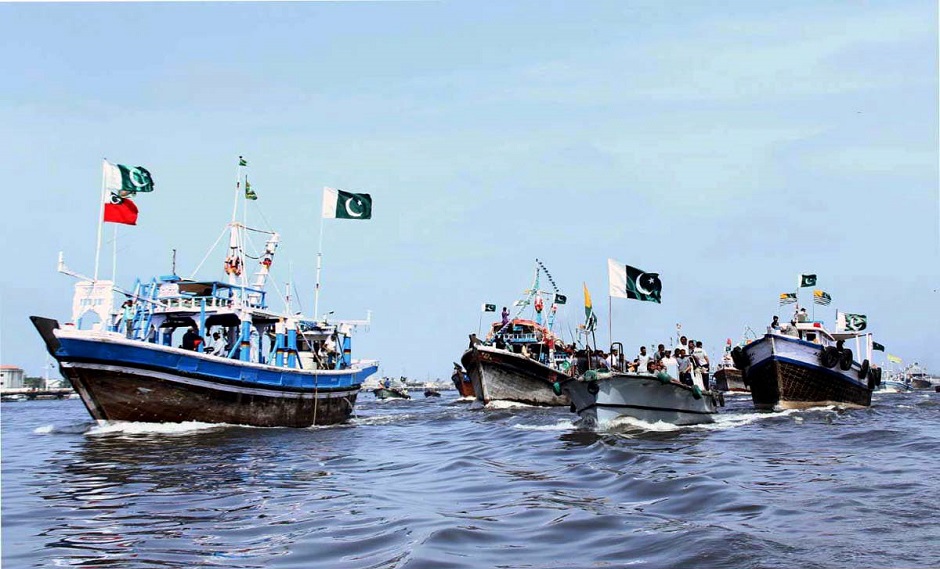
{"x": 830, "y": 356}
{"x": 845, "y": 359}
{"x": 866, "y": 367}
{"x": 539, "y": 305}
{"x": 593, "y": 388}
{"x": 740, "y": 358}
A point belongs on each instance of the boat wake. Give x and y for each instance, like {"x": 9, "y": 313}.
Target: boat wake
{"x": 563, "y": 425}
{"x": 498, "y": 404}
{"x": 134, "y": 428}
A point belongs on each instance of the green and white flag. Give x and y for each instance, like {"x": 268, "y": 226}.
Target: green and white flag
{"x": 338, "y": 204}
{"x": 629, "y": 282}
{"x": 249, "y": 193}
{"x": 807, "y": 280}
{"x": 489, "y": 308}
{"x": 875, "y": 346}
{"x": 560, "y": 298}
{"x": 242, "y": 161}
{"x": 125, "y": 181}
{"x": 846, "y": 322}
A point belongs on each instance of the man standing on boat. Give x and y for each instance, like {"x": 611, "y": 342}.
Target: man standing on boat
{"x": 191, "y": 339}
{"x": 643, "y": 360}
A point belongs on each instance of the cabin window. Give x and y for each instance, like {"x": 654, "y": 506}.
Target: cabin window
{"x": 811, "y": 337}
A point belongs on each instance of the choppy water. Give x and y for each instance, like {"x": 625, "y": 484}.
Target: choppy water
{"x": 429, "y": 483}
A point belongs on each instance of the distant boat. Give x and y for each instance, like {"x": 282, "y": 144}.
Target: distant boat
{"x": 601, "y": 397}
{"x": 268, "y": 369}
{"x": 918, "y": 377}
{"x": 431, "y": 393}
{"x": 462, "y": 382}
{"x": 520, "y": 358}
{"x": 728, "y": 378}
{"x": 13, "y": 398}
{"x": 389, "y": 391}
{"x": 804, "y": 365}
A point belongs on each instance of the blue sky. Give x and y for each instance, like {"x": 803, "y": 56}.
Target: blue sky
{"x": 727, "y": 147}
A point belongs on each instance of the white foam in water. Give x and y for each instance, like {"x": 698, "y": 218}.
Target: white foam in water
{"x": 506, "y": 405}
{"x": 44, "y": 430}
{"x": 130, "y": 428}
{"x": 559, "y": 426}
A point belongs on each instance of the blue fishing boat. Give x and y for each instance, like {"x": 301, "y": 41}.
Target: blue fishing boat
{"x": 180, "y": 349}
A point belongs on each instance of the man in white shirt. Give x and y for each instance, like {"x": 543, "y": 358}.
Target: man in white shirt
{"x": 217, "y": 345}
{"x": 642, "y": 361}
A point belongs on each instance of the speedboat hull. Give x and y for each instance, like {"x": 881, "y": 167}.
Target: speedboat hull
{"x": 129, "y": 380}
{"x": 789, "y": 373}
{"x": 390, "y": 393}
{"x": 648, "y": 398}
{"x": 500, "y": 375}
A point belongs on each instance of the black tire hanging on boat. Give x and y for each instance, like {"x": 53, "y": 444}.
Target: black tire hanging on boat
{"x": 845, "y": 359}
{"x": 871, "y": 382}
{"x": 593, "y": 388}
{"x": 830, "y": 356}
{"x": 739, "y": 357}
{"x": 863, "y": 373}
{"x": 878, "y": 376}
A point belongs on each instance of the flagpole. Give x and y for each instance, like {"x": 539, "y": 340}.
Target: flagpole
{"x": 610, "y": 323}
{"x": 316, "y": 293}
{"x": 104, "y": 162}
{"x": 114, "y": 254}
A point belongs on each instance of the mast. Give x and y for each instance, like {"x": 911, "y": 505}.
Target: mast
{"x": 104, "y": 165}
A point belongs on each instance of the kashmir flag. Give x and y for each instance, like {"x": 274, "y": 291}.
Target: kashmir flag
{"x": 807, "y": 280}
{"x": 630, "y": 282}
{"x": 126, "y": 181}
{"x": 590, "y": 319}
{"x": 338, "y": 204}
{"x": 249, "y": 193}
{"x": 894, "y": 359}
{"x": 851, "y": 322}
{"x": 489, "y": 308}
{"x": 787, "y": 298}
{"x": 875, "y": 346}
{"x": 820, "y": 297}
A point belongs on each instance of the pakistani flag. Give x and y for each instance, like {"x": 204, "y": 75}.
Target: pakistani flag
{"x": 787, "y": 298}
{"x": 807, "y": 280}
{"x": 338, "y": 204}
{"x": 630, "y": 282}
{"x": 876, "y": 347}
{"x": 851, "y": 322}
{"x": 820, "y": 297}
{"x": 489, "y": 308}
{"x": 560, "y": 298}
{"x": 249, "y": 193}
{"x": 124, "y": 181}
{"x": 242, "y": 161}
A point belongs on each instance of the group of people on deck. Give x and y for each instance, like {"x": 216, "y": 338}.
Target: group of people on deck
{"x": 688, "y": 362}
{"x": 216, "y": 344}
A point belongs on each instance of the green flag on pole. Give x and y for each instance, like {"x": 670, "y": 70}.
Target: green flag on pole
{"x": 338, "y": 204}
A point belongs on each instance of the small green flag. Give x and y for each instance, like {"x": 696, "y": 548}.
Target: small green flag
{"x": 560, "y": 298}
{"x": 807, "y": 280}
{"x": 125, "y": 181}
{"x": 242, "y": 161}
{"x": 851, "y": 322}
{"x": 875, "y": 346}
{"x": 489, "y": 308}
{"x": 249, "y": 193}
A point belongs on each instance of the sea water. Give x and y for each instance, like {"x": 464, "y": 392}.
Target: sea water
{"x": 430, "y": 483}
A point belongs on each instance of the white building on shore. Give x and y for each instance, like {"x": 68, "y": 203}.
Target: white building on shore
{"x": 11, "y": 377}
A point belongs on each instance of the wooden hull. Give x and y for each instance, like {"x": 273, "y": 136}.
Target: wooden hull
{"x": 785, "y": 373}
{"x": 126, "y": 380}
{"x": 730, "y": 379}
{"x": 463, "y": 386}
{"x": 644, "y": 397}
{"x": 499, "y": 375}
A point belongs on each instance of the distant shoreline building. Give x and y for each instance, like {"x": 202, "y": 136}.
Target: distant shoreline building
{"x": 11, "y": 377}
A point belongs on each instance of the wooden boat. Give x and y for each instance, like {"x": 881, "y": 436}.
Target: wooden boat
{"x": 601, "y": 397}
{"x": 520, "y": 358}
{"x": 462, "y": 382}
{"x": 728, "y": 378}
{"x": 431, "y": 393}
{"x": 389, "y": 391}
{"x": 502, "y": 374}
{"x": 268, "y": 369}
{"x": 804, "y": 365}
